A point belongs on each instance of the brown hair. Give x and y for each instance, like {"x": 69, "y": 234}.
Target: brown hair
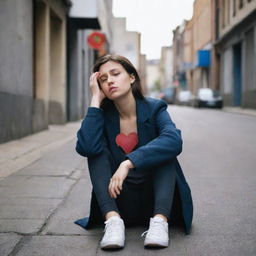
{"x": 129, "y": 68}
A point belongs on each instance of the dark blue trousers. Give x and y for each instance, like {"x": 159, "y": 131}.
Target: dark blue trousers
{"x": 137, "y": 202}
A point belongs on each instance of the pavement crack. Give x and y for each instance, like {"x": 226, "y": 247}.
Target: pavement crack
{"x": 57, "y": 207}
{"x": 19, "y": 245}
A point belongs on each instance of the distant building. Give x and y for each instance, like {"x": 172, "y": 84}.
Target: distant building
{"x": 153, "y": 75}
{"x": 235, "y": 34}
{"x": 166, "y": 67}
{"x": 179, "y": 70}
{"x": 143, "y": 73}
{"x": 128, "y": 44}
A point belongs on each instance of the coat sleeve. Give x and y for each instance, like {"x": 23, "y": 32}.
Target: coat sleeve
{"x": 166, "y": 146}
{"x": 90, "y": 137}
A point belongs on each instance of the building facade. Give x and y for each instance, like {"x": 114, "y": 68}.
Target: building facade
{"x": 85, "y": 17}
{"x": 236, "y": 51}
{"x": 32, "y": 66}
{"x": 179, "y": 72}
{"x": 192, "y": 48}
{"x": 45, "y": 61}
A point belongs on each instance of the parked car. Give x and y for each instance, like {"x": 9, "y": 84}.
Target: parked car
{"x": 207, "y": 97}
{"x": 185, "y": 97}
{"x": 168, "y": 94}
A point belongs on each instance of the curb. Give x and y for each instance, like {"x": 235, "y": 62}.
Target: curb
{"x": 242, "y": 111}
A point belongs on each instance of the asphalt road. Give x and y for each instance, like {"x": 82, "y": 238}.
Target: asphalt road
{"x": 40, "y": 202}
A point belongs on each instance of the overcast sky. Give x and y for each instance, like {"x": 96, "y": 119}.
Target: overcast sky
{"x": 154, "y": 19}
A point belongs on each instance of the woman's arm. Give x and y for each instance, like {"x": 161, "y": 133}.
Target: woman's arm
{"x": 90, "y": 137}
{"x": 166, "y": 146}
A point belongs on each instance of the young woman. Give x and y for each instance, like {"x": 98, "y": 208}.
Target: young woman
{"x": 131, "y": 144}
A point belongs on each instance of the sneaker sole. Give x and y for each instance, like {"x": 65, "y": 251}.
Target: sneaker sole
{"x": 151, "y": 245}
{"x": 112, "y": 246}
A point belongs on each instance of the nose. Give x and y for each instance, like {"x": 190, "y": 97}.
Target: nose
{"x": 110, "y": 79}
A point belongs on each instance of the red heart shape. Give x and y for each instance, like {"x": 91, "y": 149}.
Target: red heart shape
{"x": 127, "y": 142}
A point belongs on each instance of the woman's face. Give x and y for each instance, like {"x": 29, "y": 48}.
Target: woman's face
{"x": 114, "y": 81}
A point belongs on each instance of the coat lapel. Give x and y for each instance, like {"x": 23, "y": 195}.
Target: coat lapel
{"x": 143, "y": 125}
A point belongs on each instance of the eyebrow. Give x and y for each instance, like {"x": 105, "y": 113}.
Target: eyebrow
{"x": 111, "y": 70}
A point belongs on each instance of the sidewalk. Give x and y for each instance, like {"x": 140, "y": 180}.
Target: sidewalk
{"x": 17, "y": 154}
{"x": 242, "y": 111}
{"x": 42, "y": 180}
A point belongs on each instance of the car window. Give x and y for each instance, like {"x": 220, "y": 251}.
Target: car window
{"x": 205, "y": 92}
{"x": 216, "y": 93}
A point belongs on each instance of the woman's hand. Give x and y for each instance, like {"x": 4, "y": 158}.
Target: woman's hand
{"x": 116, "y": 182}
{"x": 97, "y": 93}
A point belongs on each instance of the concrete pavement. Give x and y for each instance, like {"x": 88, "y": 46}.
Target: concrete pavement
{"x": 45, "y": 187}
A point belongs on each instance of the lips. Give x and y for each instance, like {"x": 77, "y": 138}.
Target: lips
{"x": 113, "y": 88}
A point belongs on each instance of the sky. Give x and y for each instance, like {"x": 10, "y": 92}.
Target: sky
{"x": 154, "y": 19}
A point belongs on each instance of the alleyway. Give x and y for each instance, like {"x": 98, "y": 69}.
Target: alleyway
{"x": 44, "y": 187}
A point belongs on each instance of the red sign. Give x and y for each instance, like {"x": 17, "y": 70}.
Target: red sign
{"x": 96, "y": 40}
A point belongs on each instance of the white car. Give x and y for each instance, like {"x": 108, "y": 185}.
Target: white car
{"x": 207, "y": 97}
{"x": 185, "y": 97}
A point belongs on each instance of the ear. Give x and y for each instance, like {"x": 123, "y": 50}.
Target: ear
{"x": 132, "y": 78}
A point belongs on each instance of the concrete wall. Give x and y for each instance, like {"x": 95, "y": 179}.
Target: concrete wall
{"x": 33, "y": 66}
{"x": 50, "y": 64}
{"x": 16, "y": 69}
{"x": 57, "y": 65}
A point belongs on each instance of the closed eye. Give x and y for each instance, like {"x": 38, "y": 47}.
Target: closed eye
{"x": 102, "y": 79}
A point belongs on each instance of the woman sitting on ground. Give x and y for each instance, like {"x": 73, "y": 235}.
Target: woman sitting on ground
{"x": 131, "y": 144}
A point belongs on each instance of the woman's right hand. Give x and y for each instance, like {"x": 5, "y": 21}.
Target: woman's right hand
{"x": 97, "y": 93}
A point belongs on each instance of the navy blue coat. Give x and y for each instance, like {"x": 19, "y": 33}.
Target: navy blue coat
{"x": 159, "y": 141}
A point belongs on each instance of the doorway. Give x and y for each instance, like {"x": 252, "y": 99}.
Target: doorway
{"x": 237, "y": 74}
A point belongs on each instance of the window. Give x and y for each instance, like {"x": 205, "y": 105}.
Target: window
{"x": 234, "y": 7}
{"x": 241, "y": 4}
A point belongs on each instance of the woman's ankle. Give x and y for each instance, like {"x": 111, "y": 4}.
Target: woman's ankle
{"x": 111, "y": 214}
{"x": 161, "y": 216}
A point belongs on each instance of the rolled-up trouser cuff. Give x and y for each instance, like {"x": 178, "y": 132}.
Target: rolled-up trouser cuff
{"x": 162, "y": 211}
{"x": 108, "y": 207}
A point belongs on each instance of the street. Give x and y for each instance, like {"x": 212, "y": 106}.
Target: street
{"x": 40, "y": 201}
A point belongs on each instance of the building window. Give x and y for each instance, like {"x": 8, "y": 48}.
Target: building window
{"x": 223, "y": 9}
{"x": 241, "y": 4}
{"x": 234, "y": 7}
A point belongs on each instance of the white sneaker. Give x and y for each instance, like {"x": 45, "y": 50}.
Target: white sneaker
{"x": 114, "y": 236}
{"x": 157, "y": 234}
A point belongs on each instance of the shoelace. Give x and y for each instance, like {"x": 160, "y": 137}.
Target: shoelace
{"x": 154, "y": 227}
{"x": 111, "y": 227}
